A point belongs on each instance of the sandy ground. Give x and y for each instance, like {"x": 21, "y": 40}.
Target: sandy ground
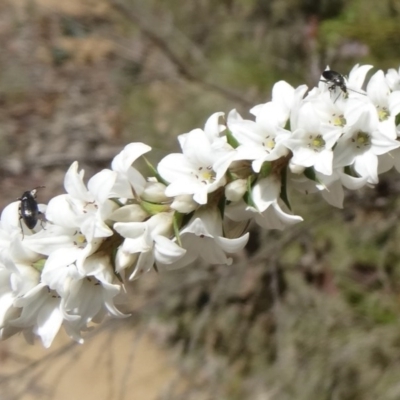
{"x": 116, "y": 363}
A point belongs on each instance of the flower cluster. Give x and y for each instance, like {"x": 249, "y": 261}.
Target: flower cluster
{"x": 70, "y": 268}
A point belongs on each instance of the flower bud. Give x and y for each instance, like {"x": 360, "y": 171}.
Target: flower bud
{"x": 161, "y": 224}
{"x": 130, "y": 213}
{"x": 235, "y": 190}
{"x": 184, "y": 203}
{"x": 154, "y": 192}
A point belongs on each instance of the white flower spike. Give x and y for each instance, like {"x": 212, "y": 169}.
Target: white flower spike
{"x": 70, "y": 270}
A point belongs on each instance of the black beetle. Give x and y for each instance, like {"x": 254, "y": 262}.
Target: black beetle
{"x": 335, "y": 80}
{"x": 28, "y": 209}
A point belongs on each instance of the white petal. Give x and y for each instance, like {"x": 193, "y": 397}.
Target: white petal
{"x": 50, "y": 239}
{"x": 351, "y": 182}
{"x": 367, "y": 166}
{"x": 166, "y": 251}
{"x": 323, "y": 162}
{"x": 381, "y": 144}
{"x": 197, "y": 228}
{"x": 128, "y": 156}
{"x": 184, "y": 186}
{"x": 10, "y": 219}
{"x": 265, "y": 192}
{"x": 144, "y": 264}
{"x": 49, "y": 321}
{"x": 334, "y": 194}
{"x": 233, "y": 245}
{"x": 201, "y": 195}
{"x": 212, "y": 127}
{"x": 60, "y": 212}
{"x": 174, "y": 166}
{"x": 394, "y": 103}
{"x": 197, "y": 148}
{"x": 132, "y": 230}
{"x": 100, "y": 184}
{"x": 74, "y": 185}
{"x": 357, "y": 75}
{"x": 136, "y": 179}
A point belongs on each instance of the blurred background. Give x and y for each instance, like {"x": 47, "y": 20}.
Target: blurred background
{"x": 310, "y": 313}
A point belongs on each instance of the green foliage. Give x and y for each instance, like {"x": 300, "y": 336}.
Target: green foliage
{"x": 370, "y": 23}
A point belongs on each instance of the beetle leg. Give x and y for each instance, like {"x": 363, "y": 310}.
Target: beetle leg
{"x": 42, "y": 219}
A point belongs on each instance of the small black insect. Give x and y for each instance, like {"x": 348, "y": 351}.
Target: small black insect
{"x": 28, "y": 209}
{"x": 336, "y": 80}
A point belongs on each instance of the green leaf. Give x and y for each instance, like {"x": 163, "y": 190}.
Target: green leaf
{"x": 39, "y": 264}
{"x": 231, "y": 139}
{"x": 266, "y": 169}
{"x": 177, "y": 223}
{"x": 310, "y": 174}
{"x": 247, "y": 196}
{"x": 397, "y": 119}
{"x": 284, "y": 194}
{"x": 155, "y": 172}
{"x": 153, "y": 208}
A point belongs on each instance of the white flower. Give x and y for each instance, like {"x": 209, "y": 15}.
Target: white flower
{"x": 329, "y": 112}
{"x": 93, "y": 294}
{"x": 61, "y": 267}
{"x": 279, "y": 109}
{"x": 129, "y": 180}
{"x": 387, "y": 103}
{"x": 312, "y": 141}
{"x": 150, "y": 239}
{"x": 83, "y": 209}
{"x": 330, "y": 186}
{"x": 212, "y": 129}
{"x": 203, "y": 237}
{"x": 361, "y": 145}
{"x": 41, "y": 313}
{"x": 353, "y": 84}
{"x": 276, "y": 216}
{"x": 86, "y": 292}
{"x": 272, "y": 214}
{"x": 262, "y": 140}
{"x": 193, "y": 171}
{"x": 267, "y": 210}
